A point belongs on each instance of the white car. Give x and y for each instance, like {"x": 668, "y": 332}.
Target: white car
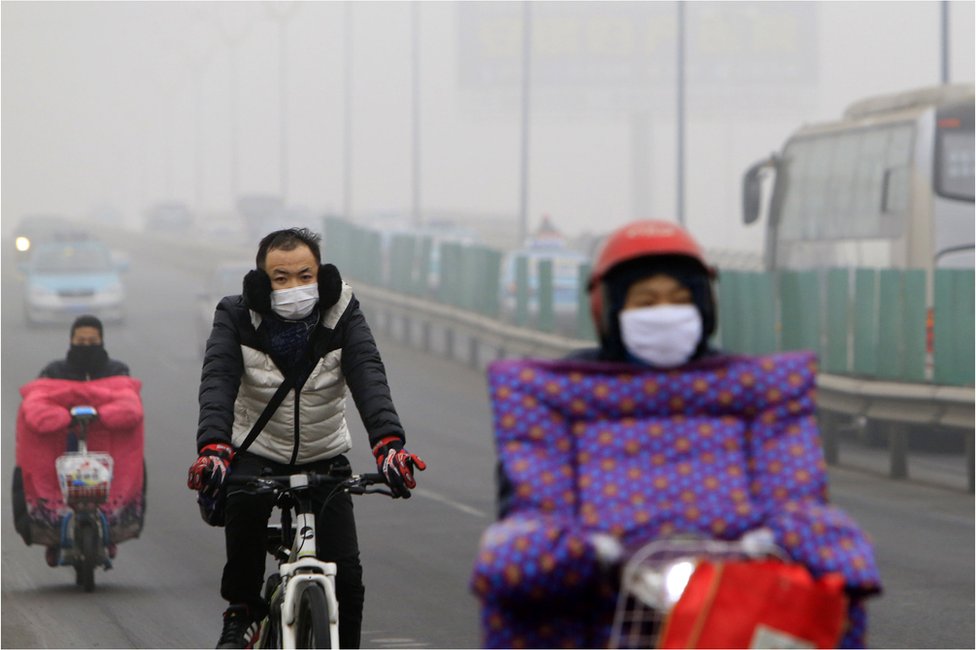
{"x": 67, "y": 279}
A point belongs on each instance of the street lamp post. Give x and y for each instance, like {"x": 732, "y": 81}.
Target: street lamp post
{"x": 680, "y": 136}
{"x": 232, "y": 39}
{"x": 281, "y": 13}
{"x": 417, "y": 219}
{"x": 945, "y": 40}
{"x": 347, "y": 116}
{"x": 526, "y": 86}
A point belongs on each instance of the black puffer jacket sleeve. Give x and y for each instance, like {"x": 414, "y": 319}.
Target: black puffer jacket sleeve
{"x": 220, "y": 379}
{"x": 366, "y": 377}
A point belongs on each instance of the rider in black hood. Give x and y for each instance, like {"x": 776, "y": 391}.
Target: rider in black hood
{"x": 86, "y": 358}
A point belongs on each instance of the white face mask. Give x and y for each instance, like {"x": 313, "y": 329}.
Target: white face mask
{"x": 295, "y": 303}
{"x": 665, "y": 336}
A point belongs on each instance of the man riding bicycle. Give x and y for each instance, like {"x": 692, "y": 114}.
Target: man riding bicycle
{"x": 296, "y": 319}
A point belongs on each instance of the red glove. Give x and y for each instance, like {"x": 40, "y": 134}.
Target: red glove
{"x": 396, "y": 465}
{"x": 211, "y": 468}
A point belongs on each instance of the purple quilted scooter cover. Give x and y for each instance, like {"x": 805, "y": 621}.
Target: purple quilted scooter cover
{"x": 717, "y": 448}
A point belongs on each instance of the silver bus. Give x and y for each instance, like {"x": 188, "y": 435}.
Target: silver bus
{"x": 889, "y": 185}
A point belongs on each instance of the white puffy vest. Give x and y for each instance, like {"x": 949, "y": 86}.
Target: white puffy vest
{"x": 321, "y": 432}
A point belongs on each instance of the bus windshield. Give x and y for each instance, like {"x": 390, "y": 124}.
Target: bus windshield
{"x": 834, "y": 184}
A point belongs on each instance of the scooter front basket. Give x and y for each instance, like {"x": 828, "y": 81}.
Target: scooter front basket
{"x": 85, "y": 478}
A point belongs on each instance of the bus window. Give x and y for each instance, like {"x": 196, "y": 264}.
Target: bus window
{"x": 847, "y": 185}
{"x": 869, "y": 175}
{"x": 898, "y": 179}
{"x": 840, "y": 191}
{"x": 954, "y": 172}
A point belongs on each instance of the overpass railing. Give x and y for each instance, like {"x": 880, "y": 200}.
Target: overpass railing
{"x": 886, "y": 356}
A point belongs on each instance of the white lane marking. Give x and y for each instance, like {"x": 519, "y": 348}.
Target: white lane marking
{"x": 400, "y": 641}
{"x": 434, "y": 496}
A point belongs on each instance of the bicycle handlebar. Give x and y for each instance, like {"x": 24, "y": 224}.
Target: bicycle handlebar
{"x": 355, "y": 484}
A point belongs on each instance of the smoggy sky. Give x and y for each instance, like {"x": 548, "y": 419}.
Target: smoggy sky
{"x": 128, "y": 103}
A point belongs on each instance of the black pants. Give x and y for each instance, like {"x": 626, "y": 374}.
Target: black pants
{"x": 247, "y": 518}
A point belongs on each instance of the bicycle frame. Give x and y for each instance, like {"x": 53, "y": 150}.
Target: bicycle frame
{"x": 300, "y": 566}
{"x": 306, "y": 567}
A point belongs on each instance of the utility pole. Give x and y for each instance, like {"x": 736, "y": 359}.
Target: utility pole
{"x": 415, "y": 16}
{"x": 680, "y": 91}
{"x": 945, "y": 41}
{"x": 526, "y": 85}
{"x": 281, "y": 13}
{"x": 232, "y": 37}
{"x": 347, "y": 116}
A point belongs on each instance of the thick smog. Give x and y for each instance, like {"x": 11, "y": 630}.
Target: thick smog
{"x": 623, "y": 303}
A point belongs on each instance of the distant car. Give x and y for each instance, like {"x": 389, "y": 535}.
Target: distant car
{"x": 105, "y": 214}
{"x": 170, "y": 217}
{"x": 67, "y": 279}
{"x": 37, "y": 229}
{"x": 224, "y": 230}
{"x": 227, "y": 279}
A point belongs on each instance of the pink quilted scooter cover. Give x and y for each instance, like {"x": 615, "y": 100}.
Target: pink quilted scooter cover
{"x": 42, "y": 429}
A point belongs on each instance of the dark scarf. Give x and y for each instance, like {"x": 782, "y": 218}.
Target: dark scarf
{"x": 87, "y": 359}
{"x": 288, "y": 340}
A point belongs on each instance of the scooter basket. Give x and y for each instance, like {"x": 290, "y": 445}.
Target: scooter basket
{"x": 713, "y": 594}
{"x": 85, "y": 478}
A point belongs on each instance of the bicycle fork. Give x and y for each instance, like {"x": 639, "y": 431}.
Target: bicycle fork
{"x": 306, "y": 569}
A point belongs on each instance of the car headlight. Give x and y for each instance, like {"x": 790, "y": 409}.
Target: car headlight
{"x": 22, "y": 243}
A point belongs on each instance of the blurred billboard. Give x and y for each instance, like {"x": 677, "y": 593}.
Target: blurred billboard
{"x": 621, "y": 56}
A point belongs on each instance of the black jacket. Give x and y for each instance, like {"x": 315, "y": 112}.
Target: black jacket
{"x": 234, "y": 333}
{"x": 61, "y": 369}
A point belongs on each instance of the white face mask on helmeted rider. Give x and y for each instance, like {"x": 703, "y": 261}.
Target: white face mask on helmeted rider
{"x": 295, "y": 303}
{"x": 664, "y": 336}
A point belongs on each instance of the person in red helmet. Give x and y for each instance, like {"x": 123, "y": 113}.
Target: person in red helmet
{"x": 652, "y": 304}
{"x": 651, "y": 297}
{"x": 656, "y": 436}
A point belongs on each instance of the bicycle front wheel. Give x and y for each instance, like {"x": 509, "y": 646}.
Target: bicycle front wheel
{"x": 313, "y": 618}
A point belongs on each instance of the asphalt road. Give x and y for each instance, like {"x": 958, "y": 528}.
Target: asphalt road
{"x": 163, "y": 591}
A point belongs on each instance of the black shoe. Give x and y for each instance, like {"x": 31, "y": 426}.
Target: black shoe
{"x": 239, "y": 628}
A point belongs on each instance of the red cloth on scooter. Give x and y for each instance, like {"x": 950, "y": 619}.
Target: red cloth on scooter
{"x": 42, "y": 430}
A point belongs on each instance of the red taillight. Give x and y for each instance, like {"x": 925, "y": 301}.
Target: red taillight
{"x": 949, "y": 123}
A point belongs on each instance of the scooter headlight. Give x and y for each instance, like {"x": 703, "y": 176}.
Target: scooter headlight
{"x": 661, "y": 586}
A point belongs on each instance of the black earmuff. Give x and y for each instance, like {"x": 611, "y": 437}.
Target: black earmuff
{"x": 257, "y": 291}
{"x": 330, "y": 285}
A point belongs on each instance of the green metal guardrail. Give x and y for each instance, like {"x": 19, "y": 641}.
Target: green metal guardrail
{"x": 864, "y": 323}
{"x": 750, "y": 321}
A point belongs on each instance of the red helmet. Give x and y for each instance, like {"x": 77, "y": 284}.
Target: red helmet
{"x": 639, "y": 239}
